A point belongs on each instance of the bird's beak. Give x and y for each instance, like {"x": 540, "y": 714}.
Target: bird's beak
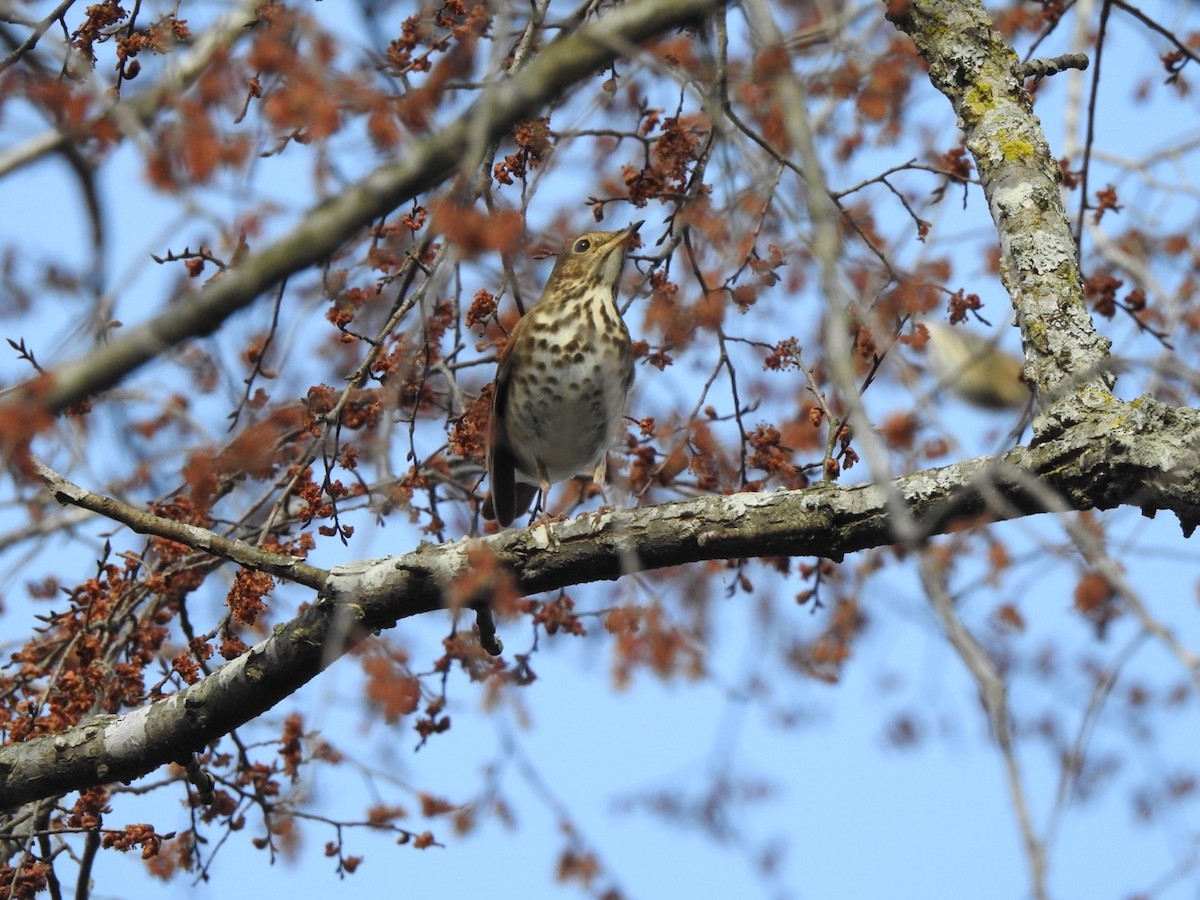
{"x": 629, "y": 233}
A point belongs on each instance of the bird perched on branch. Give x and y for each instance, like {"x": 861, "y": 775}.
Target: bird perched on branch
{"x": 562, "y": 379}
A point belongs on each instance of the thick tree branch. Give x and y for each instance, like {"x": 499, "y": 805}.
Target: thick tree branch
{"x": 1144, "y": 458}
{"x": 425, "y": 163}
{"x": 978, "y": 72}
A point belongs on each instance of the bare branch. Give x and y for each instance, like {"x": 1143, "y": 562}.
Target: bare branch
{"x": 198, "y": 538}
{"x": 35, "y": 34}
{"x": 1040, "y": 68}
{"x": 993, "y": 694}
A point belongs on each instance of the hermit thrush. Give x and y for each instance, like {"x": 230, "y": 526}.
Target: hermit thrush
{"x": 562, "y": 378}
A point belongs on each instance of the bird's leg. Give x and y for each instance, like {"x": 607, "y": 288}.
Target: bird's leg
{"x": 543, "y": 501}
{"x": 598, "y": 478}
{"x": 540, "y": 507}
{"x": 539, "y": 504}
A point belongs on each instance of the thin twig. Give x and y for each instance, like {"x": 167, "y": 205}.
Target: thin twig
{"x": 1091, "y": 130}
{"x": 994, "y": 696}
{"x": 142, "y": 522}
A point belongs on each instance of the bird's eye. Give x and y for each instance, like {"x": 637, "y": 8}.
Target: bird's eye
{"x": 581, "y": 245}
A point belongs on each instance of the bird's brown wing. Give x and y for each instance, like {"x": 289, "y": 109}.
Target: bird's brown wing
{"x": 508, "y": 499}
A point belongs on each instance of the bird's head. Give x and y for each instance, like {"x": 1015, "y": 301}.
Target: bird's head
{"x": 593, "y": 259}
